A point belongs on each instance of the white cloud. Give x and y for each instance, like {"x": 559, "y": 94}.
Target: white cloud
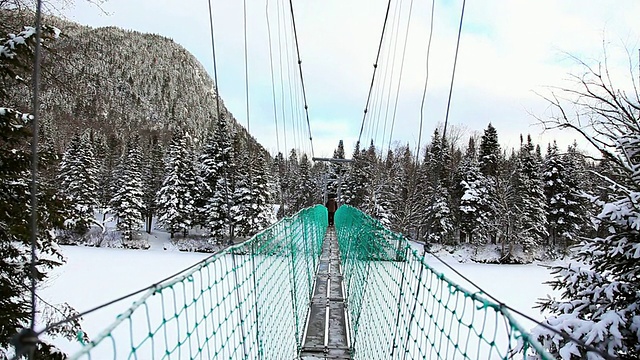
{"x": 508, "y": 49}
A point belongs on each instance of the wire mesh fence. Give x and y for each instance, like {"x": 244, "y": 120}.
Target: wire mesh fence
{"x": 401, "y": 308}
{"x": 247, "y": 302}
{"x": 251, "y": 302}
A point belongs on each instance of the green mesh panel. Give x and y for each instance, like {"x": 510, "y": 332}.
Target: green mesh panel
{"x": 401, "y": 308}
{"x": 251, "y": 302}
{"x": 247, "y": 302}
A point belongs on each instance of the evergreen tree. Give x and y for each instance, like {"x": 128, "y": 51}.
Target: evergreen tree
{"x": 306, "y": 185}
{"x": 128, "y": 200}
{"x": 279, "y": 172}
{"x": 599, "y": 302}
{"x": 78, "y": 184}
{"x": 175, "y": 198}
{"x": 405, "y": 206}
{"x": 290, "y": 189}
{"x": 241, "y": 210}
{"x": 260, "y": 214}
{"x": 154, "y": 173}
{"x": 490, "y": 154}
{"x": 107, "y": 171}
{"x": 356, "y": 181}
{"x": 432, "y": 191}
{"x": 565, "y": 210}
{"x": 336, "y": 171}
{"x": 209, "y": 171}
{"x": 16, "y": 57}
{"x": 216, "y": 172}
{"x": 472, "y": 192}
{"x": 15, "y": 233}
{"x": 530, "y": 202}
{"x": 378, "y": 202}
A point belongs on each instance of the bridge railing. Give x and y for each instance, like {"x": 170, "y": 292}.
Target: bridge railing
{"x": 249, "y": 301}
{"x": 401, "y": 308}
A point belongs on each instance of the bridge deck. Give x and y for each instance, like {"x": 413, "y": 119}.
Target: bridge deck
{"x": 326, "y": 336}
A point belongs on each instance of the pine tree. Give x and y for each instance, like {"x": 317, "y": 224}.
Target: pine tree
{"x": 107, "y": 171}
{"x": 307, "y": 191}
{"x": 78, "y": 184}
{"x": 565, "y": 208}
{"x": 15, "y": 233}
{"x": 16, "y": 57}
{"x": 175, "y": 198}
{"x": 490, "y": 153}
{"x": 355, "y": 182}
{"x": 472, "y": 192}
{"x": 128, "y": 200}
{"x": 599, "y": 302}
{"x": 216, "y": 173}
{"x": 530, "y": 201}
{"x": 153, "y": 175}
{"x": 379, "y": 200}
{"x": 432, "y": 191}
{"x": 336, "y": 171}
{"x": 259, "y": 213}
{"x": 279, "y": 176}
{"x": 405, "y": 208}
{"x": 242, "y": 199}
{"x": 290, "y": 185}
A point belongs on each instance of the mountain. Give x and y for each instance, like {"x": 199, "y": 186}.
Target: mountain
{"x": 119, "y": 82}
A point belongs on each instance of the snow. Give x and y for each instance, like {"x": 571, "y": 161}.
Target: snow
{"x": 93, "y": 276}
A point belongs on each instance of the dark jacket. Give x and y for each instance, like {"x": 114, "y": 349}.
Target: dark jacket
{"x": 332, "y": 205}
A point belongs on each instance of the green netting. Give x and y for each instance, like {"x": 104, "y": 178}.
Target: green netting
{"x": 248, "y": 302}
{"x": 401, "y": 308}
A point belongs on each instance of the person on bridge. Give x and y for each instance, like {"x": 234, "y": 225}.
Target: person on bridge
{"x": 332, "y": 206}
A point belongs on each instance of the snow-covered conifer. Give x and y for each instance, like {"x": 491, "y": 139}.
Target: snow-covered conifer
{"x": 530, "y": 201}
{"x": 600, "y": 301}
{"x": 78, "y": 184}
{"x": 153, "y": 167}
{"x": 565, "y": 206}
{"x": 474, "y": 206}
{"x": 175, "y": 198}
{"x": 128, "y": 200}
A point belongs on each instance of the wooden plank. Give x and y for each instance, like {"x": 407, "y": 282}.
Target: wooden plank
{"x": 327, "y": 340}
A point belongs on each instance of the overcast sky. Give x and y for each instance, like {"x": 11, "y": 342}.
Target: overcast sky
{"x": 509, "y": 50}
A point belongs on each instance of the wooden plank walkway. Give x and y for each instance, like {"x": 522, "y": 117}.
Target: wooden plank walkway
{"x": 326, "y": 336}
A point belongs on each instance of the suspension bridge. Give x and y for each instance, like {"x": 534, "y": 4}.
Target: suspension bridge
{"x": 301, "y": 289}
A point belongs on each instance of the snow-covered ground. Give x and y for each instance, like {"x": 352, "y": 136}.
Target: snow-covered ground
{"x": 93, "y": 276}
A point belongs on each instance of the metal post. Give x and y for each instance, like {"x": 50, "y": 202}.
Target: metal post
{"x": 255, "y": 294}
{"x": 235, "y": 276}
{"x": 294, "y": 290}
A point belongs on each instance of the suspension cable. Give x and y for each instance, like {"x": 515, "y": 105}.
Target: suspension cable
{"x": 395, "y": 31}
{"x": 453, "y": 74}
{"x": 426, "y": 81}
{"x": 375, "y": 67}
{"x": 246, "y": 67}
{"x": 290, "y": 84}
{"x": 273, "y": 82}
{"x": 34, "y": 159}
{"x": 280, "y": 62}
{"x": 215, "y": 67}
{"x": 304, "y": 93}
{"x": 395, "y": 106}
